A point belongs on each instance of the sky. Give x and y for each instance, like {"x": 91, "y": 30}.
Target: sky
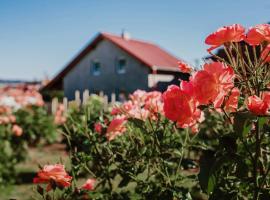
{"x": 39, "y": 37}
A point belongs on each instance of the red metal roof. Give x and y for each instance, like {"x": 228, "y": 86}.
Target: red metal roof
{"x": 148, "y": 53}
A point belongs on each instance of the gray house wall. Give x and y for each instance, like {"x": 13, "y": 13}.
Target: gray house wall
{"x": 107, "y": 53}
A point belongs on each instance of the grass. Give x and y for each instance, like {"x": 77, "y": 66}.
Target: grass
{"x": 24, "y": 188}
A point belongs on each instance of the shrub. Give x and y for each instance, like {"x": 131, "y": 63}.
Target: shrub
{"x": 13, "y": 151}
{"x": 36, "y": 124}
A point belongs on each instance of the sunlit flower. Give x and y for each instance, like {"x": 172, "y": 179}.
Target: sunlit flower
{"x": 181, "y": 107}
{"x": 232, "y": 102}
{"x": 265, "y": 55}
{"x": 258, "y": 34}
{"x": 55, "y": 173}
{"x": 229, "y": 103}
{"x": 232, "y": 33}
{"x": 212, "y": 83}
{"x": 257, "y": 105}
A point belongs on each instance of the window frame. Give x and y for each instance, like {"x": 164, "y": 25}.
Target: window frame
{"x": 94, "y": 71}
{"x": 118, "y": 70}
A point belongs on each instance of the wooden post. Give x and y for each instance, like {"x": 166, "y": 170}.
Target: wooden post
{"x": 54, "y": 105}
{"x": 65, "y": 103}
{"x": 105, "y": 99}
{"x": 101, "y": 93}
{"x": 113, "y": 98}
{"x": 85, "y": 96}
{"x": 77, "y": 98}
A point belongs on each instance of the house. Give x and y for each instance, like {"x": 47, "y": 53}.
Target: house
{"x": 117, "y": 64}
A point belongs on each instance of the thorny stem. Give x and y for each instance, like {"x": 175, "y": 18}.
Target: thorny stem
{"x": 182, "y": 150}
{"x": 255, "y": 164}
{"x": 226, "y": 114}
{"x": 229, "y": 56}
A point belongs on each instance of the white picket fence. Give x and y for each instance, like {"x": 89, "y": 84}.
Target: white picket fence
{"x": 78, "y": 101}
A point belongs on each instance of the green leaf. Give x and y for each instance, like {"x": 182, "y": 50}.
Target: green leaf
{"x": 126, "y": 179}
{"x": 262, "y": 121}
{"x": 242, "y": 120}
{"x": 211, "y": 184}
{"x": 206, "y": 163}
{"x": 246, "y": 129}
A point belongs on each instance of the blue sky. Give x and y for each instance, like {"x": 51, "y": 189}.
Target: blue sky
{"x": 39, "y": 37}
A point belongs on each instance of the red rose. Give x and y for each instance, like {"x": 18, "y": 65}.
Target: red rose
{"x": 116, "y": 127}
{"x": 258, "y": 34}
{"x": 211, "y": 84}
{"x": 89, "y": 184}
{"x": 54, "y": 173}
{"x": 257, "y": 105}
{"x": 233, "y": 33}
{"x": 98, "y": 127}
{"x": 180, "y": 106}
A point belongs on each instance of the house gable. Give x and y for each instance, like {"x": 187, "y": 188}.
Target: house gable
{"x": 147, "y": 53}
{"x": 80, "y": 77}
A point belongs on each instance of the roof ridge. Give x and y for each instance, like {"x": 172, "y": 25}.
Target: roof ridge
{"x": 131, "y": 39}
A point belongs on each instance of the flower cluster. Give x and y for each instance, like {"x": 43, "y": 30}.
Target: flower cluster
{"x": 208, "y": 86}
{"x": 235, "y": 33}
{"x": 13, "y": 98}
{"x": 142, "y": 105}
{"x": 220, "y": 84}
{"x": 259, "y": 35}
{"x": 16, "y": 97}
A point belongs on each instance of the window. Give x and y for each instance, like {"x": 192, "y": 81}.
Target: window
{"x": 96, "y": 68}
{"x": 121, "y": 66}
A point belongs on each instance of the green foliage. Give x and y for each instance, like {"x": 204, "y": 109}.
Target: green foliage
{"x": 149, "y": 161}
{"x": 37, "y": 125}
{"x": 227, "y": 172}
{"x": 13, "y": 151}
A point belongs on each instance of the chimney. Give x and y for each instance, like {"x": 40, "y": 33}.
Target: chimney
{"x": 125, "y": 35}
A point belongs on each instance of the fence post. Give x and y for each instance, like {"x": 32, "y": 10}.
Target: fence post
{"x": 105, "y": 99}
{"x": 85, "y": 96}
{"x": 65, "y": 103}
{"x": 54, "y": 105}
{"x": 113, "y": 98}
{"x": 77, "y": 98}
{"x": 101, "y": 93}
